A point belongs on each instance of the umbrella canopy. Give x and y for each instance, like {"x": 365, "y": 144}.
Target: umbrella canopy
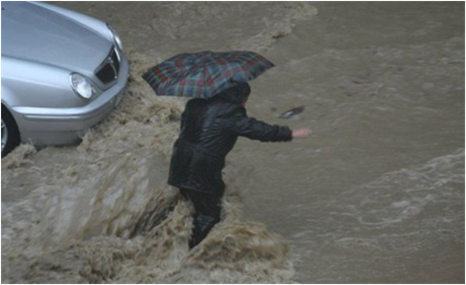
{"x": 205, "y": 74}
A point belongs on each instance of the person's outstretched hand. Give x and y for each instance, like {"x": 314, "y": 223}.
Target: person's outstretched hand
{"x": 301, "y": 133}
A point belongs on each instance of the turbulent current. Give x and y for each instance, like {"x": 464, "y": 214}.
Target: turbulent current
{"x": 375, "y": 195}
{"x": 109, "y": 216}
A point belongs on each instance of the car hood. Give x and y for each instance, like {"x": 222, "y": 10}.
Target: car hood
{"x": 31, "y": 32}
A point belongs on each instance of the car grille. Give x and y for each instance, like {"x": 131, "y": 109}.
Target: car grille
{"x": 109, "y": 69}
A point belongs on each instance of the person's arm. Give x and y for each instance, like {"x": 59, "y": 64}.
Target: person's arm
{"x": 240, "y": 124}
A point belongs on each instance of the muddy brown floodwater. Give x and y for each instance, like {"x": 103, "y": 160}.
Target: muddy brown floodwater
{"x": 375, "y": 195}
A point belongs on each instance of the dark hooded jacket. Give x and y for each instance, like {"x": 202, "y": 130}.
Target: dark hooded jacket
{"x": 209, "y": 130}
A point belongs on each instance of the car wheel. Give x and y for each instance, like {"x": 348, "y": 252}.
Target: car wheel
{"x": 10, "y": 133}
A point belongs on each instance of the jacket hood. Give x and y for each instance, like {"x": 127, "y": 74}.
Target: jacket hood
{"x": 236, "y": 94}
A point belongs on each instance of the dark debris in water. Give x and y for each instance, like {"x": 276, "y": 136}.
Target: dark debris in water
{"x": 292, "y": 112}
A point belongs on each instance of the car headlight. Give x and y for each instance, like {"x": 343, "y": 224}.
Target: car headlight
{"x": 116, "y": 38}
{"x": 81, "y": 85}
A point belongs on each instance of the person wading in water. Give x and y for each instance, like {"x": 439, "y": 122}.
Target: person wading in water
{"x": 209, "y": 130}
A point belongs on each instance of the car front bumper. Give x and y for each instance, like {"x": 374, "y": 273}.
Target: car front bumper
{"x": 61, "y": 126}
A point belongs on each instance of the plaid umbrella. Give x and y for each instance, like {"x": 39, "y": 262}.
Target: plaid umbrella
{"x": 204, "y": 74}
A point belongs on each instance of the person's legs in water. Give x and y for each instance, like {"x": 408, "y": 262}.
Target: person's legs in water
{"x": 207, "y": 213}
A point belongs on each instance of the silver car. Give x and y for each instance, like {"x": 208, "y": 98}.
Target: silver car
{"x": 62, "y": 72}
